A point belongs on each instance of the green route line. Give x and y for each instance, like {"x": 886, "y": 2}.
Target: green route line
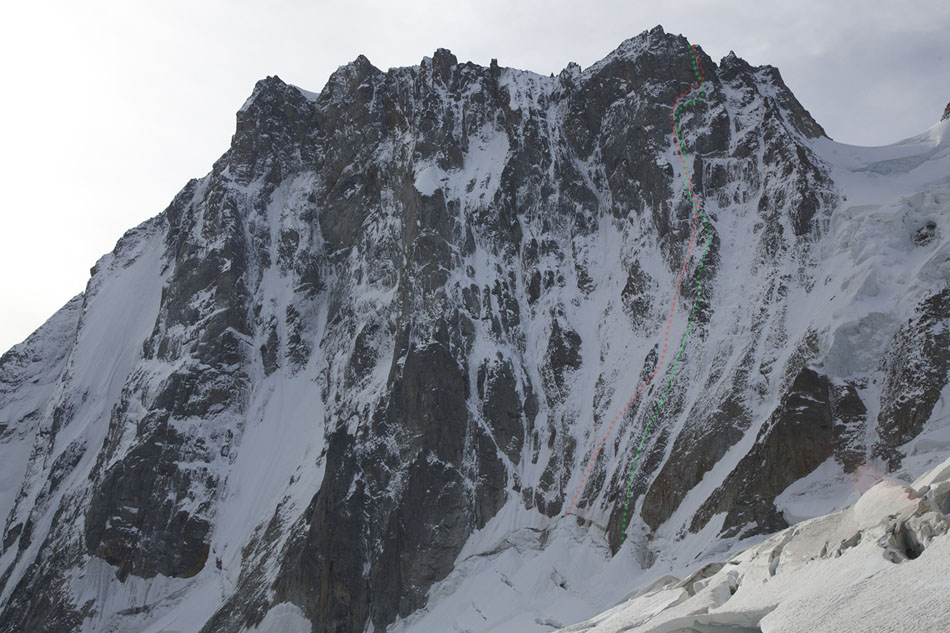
{"x": 674, "y": 122}
{"x": 666, "y": 392}
{"x": 697, "y": 213}
{"x": 675, "y": 116}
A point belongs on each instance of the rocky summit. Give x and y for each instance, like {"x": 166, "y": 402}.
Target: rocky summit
{"x": 351, "y": 379}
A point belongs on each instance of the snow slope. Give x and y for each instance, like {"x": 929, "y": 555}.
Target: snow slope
{"x": 349, "y": 378}
{"x": 878, "y": 566}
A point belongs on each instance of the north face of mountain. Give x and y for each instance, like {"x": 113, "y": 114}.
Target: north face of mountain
{"x": 351, "y": 379}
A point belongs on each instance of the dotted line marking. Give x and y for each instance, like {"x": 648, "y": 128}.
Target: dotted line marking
{"x": 666, "y": 392}
{"x": 697, "y": 213}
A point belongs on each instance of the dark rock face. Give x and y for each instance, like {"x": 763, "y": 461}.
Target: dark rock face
{"x": 850, "y": 415}
{"x": 128, "y": 528}
{"x": 793, "y": 442}
{"x": 636, "y": 295}
{"x": 946, "y": 113}
{"x": 563, "y": 356}
{"x": 322, "y": 568}
{"x": 917, "y": 370}
{"x": 694, "y": 454}
{"x": 443, "y": 280}
{"x": 502, "y": 407}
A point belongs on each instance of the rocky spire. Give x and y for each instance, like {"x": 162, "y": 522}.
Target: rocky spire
{"x": 946, "y": 113}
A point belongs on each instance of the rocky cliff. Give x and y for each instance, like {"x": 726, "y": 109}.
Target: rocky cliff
{"x": 348, "y": 380}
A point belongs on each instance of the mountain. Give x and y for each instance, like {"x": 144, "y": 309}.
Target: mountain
{"x": 831, "y": 573}
{"x": 353, "y": 379}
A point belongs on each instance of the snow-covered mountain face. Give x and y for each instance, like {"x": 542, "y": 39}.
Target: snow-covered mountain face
{"x": 832, "y": 573}
{"x": 351, "y": 379}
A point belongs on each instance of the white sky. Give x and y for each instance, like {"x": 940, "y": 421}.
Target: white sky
{"x": 110, "y": 107}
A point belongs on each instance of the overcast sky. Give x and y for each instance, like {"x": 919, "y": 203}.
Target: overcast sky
{"x": 108, "y": 108}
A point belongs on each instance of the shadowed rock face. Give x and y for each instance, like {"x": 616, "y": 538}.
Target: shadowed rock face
{"x": 795, "y": 440}
{"x": 918, "y": 364}
{"x": 946, "y": 113}
{"x": 452, "y": 274}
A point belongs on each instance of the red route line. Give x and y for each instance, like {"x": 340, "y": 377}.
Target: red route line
{"x": 682, "y": 275}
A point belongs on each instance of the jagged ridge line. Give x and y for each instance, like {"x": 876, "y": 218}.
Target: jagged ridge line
{"x": 697, "y": 69}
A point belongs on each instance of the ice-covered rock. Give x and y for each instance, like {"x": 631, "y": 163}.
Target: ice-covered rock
{"x": 355, "y": 375}
{"x": 880, "y": 565}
